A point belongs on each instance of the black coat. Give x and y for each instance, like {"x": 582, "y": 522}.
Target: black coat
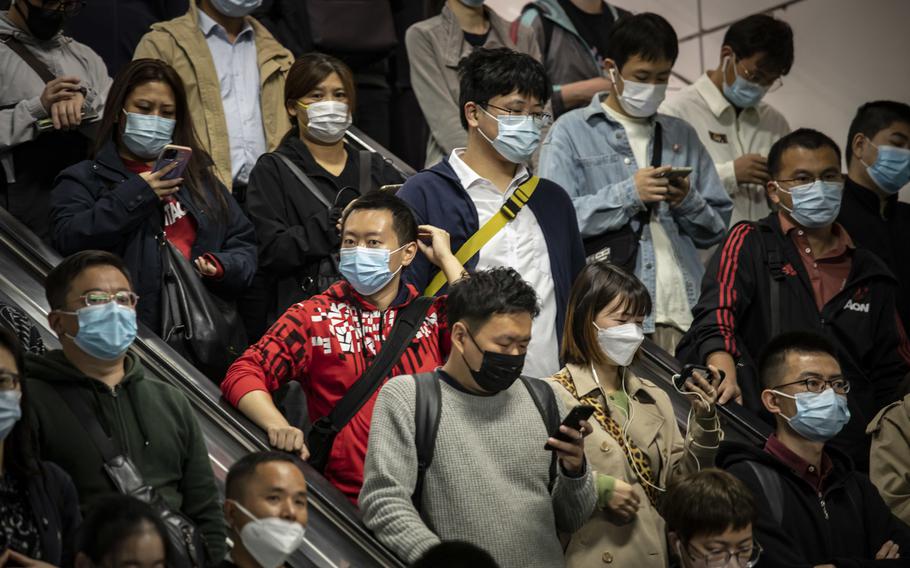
{"x": 55, "y": 506}
{"x": 100, "y": 204}
{"x": 858, "y": 521}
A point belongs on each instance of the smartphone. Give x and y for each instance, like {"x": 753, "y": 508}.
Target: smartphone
{"x": 679, "y": 380}
{"x": 173, "y": 153}
{"x": 677, "y": 173}
{"x": 577, "y": 415}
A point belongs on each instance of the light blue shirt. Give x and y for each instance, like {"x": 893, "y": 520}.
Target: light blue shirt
{"x": 237, "y": 66}
{"x": 588, "y": 154}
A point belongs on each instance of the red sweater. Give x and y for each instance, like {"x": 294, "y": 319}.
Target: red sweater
{"x": 326, "y": 343}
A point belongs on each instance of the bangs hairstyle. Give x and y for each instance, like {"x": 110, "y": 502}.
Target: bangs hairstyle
{"x": 488, "y": 73}
{"x": 312, "y": 69}
{"x": 200, "y": 180}
{"x": 708, "y": 503}
{"x": 647, "y": 35}
{"x": 872, "y": 118}
{"x": 800, "y": 138}
{"x": 761, "y": 33}
{"x": 596, "y": 287}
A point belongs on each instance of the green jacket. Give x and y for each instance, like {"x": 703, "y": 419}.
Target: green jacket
{"x": 151, "y": 421}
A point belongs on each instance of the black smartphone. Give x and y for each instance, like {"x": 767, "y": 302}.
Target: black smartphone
{"x": 576, "y": 416}
{"x": 679, "y": 380}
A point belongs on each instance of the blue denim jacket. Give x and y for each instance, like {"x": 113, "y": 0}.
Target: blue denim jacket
{"x": 588, "y": 154}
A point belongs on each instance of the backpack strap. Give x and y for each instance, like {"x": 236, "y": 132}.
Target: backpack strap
{"x": 774, "y": 260}
{"x": 771, "y": 487}
{"x": 545, "y": 401}
{"x": 427, "y": 412}
{"x": 30, "y": 58}
{"x": 304, "y": 179}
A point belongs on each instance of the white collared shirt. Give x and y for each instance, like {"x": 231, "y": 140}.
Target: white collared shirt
{"x": 237, "y": 65}
{"x": 728, "y": 136}
{"x": 520, "y": 245}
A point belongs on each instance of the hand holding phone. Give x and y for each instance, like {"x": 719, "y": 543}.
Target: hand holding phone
{"x": 173, "y": 154}
{"x": 700, "y": 388}
{"x": 573, "y": 420}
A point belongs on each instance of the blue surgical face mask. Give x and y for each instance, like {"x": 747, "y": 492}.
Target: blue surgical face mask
{"x": 518, "y": 138}
{"x": 819, "y": 415}
{"x": 10, "y": 411}
{"x": 742, "y": 93}
{"x": 815, "y": 204}
{"x": 145, "y": 135}
{"x": 367, "y": 269}
{"x": 891, "y": 170}
{"x": 236, "y": 8}
{"x": 105, "y": 331}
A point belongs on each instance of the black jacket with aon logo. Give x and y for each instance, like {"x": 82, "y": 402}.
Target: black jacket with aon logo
{"x": 734, "y": 315}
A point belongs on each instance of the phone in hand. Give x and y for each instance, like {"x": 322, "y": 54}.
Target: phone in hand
{"x": 679, "y": 380}
{"x": 677, "y": 173}
{"x": 170, "y": 154}
{"x": 575, "y": 417}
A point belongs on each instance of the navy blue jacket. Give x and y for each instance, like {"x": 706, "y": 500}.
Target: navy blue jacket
{"x": 55, "y": 508}
{"x": 437, "y": 198}
{"x": 100, "y": 204}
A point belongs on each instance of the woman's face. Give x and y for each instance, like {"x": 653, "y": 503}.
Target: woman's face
{"x": 330, "y": 89}
{"x": 155, "y": 98}
{"x": 615, "y": 313}
{"x": 142, "y": 549}
{"x": 9, "y": 371}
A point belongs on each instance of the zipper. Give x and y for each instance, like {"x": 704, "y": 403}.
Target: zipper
{"x": 120, "y": 421}
{"x": 821, "y": 501}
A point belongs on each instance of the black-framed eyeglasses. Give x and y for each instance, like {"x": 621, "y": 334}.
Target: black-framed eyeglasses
{"x": 65, "y": 8}
{"x": 745, "y": 557}
{"x": 817, "y": 385}
{"x": 770, "y": 81}
{"x": 9, "y": 381}
{"x": 807, "y": 179}
{"x": 98, "y": 297}
{"x": 541, "y": 119}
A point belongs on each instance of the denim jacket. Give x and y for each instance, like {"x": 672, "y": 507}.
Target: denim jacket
{"x": 588, "y": 154}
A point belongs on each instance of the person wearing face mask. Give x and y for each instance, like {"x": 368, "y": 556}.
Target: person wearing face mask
{"x": 814, "y": 508}
{"x": 489, "y": 483}
{"x": 798, "y": 269}
{"x": 50, "y": 104}
{"x": 614, "y": 158}
{"x": 726, "y": 107}
{"x": 115, "y": 201}
{"x": 93, "y": 312}
{"x": 296, "y": 231}
{"x": 328, "y": 342}
{"x": 265, "y": 508}
{"x": 636, "y": 448}
{"x": 502, "y": 97}
{"x": 235, "y": 72}
{"x": 878, "y": 166}
{"x": 122, "y": 532}
{"x": 39, "y": 508}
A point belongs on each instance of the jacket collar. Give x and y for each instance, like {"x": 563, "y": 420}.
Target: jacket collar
{"x": 583, "y": 379}
{"x": 343, "y": 291}
{"x": 595, "y": 109}
{"x": 869, "y": 200}
{"x": 455, "y": 45}
{"x": 716, "y": 100}
{"x": 109, "y": 164}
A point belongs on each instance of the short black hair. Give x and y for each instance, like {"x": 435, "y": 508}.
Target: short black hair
{"x": 800, "y": 138}
{"x": 245, "y": 467}
{"x": 112, "y": 521}
{"x": 487, "y": 293}
{"x": 487, "y": 73}
{"x": 708, "y": 502}
{"x": 403, "y": 220}
{"x": 774, "y": 355}
{"x": 646, "y": 35}
{"x": 873, "y": 117}
{"x": 761, "y": 33}
{"x": 455, "y": 554}
{"x": 57, "y": 284}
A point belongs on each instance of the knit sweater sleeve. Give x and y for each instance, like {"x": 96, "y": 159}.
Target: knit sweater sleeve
{"x": 574, "y": 498}
{"x": 390, "y": 474}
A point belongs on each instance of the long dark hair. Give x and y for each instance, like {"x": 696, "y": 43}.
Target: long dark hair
{"x": 200, "y": 180}
{"x": 20, "y": 452}
{"x": 114, "y": 520}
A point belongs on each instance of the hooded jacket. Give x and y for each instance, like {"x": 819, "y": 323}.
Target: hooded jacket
{"x": 844, "y": 525}
{"x": 326, "y": 343}
{"x": 152, "y": 423}
{"x": 890, "y": 457}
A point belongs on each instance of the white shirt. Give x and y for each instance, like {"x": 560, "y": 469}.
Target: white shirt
{"x": 728, "y": 136}
{"x": 671, "y": 307}
{"x": 237, "y": 65}
{"x": 521, "y": 246}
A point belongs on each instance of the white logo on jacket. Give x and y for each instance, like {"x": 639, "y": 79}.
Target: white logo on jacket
{"x": 857, "y": 307}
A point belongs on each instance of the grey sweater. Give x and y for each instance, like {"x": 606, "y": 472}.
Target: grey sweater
{"x": 487, "y": 484}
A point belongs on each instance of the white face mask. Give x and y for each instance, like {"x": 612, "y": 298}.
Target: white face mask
{"x": 270, "y": 541}
{"x": 620, "y": 342}
{"x": 328, "y": 120}
{"x": 640, "y": 100}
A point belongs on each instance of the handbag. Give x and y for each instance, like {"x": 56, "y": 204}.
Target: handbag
{"x": 352, "y": 26}
{"x": 620, "y": 247}
{"x": 199, "y": 325}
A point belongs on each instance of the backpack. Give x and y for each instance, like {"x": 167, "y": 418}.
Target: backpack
{"x": 428, "y": 408}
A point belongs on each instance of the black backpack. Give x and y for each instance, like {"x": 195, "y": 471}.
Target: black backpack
{"x": 428, "y": 408}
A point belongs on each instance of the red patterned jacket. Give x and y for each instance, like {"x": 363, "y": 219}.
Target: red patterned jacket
{"x": 326, "y": 343}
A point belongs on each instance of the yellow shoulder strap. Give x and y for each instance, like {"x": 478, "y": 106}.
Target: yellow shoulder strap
{"x": 472, "y": 246}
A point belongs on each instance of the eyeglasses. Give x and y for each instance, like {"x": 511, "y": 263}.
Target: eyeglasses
{"x": 745, "y": 558}
{"x": 817, "y": 385}
{"x": 807, "y": 179}
{"x": 9, "y": 381}
{"x": 541, "y": 119}
{"x": 98, "y": 298}
{"x": 65, "y": 8}
{"x": 763, "y": 78}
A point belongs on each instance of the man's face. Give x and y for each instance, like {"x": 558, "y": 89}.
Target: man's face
{"x": 801, "y": 372}
{"x": 502, "y": 333}
{"x": 276, "y": 489}
{"x": 641, "y": 71}
{"x": 375, "y": 229}
{"x": 485, "y": 116}
{"x": 89, "y": 287}
{"x": 753, "y": 69}
{"x": 731, "y": 549}
{"x": 801, "y": 166}
{"x": 866, "y": 150}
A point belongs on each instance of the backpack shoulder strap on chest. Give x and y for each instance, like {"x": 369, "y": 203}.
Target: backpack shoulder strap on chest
{"x": 545, "y": 401}
{"x": 427, "y": 411}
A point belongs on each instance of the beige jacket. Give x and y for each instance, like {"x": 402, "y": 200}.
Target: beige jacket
{"x": 181, "y": 44}
{"x": 889, "y": 466}
{"x": 435, "y": 47}
{"x": 653, "y": 428}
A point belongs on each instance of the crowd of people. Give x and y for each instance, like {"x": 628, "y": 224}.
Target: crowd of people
{"x": 465, "y": 337}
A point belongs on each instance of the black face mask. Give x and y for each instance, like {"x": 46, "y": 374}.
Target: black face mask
{"x": 43, "y": 24}
{"x": 498, "y": 371}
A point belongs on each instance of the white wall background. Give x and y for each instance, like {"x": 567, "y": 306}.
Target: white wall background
{"x": 847, "y": 52}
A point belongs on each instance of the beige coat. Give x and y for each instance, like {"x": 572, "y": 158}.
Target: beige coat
{"x": 181, "y": 44}
{"x": 654, "y": 430}
{"x": 435, "y": 47}
{"x": 889, "y": 466}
